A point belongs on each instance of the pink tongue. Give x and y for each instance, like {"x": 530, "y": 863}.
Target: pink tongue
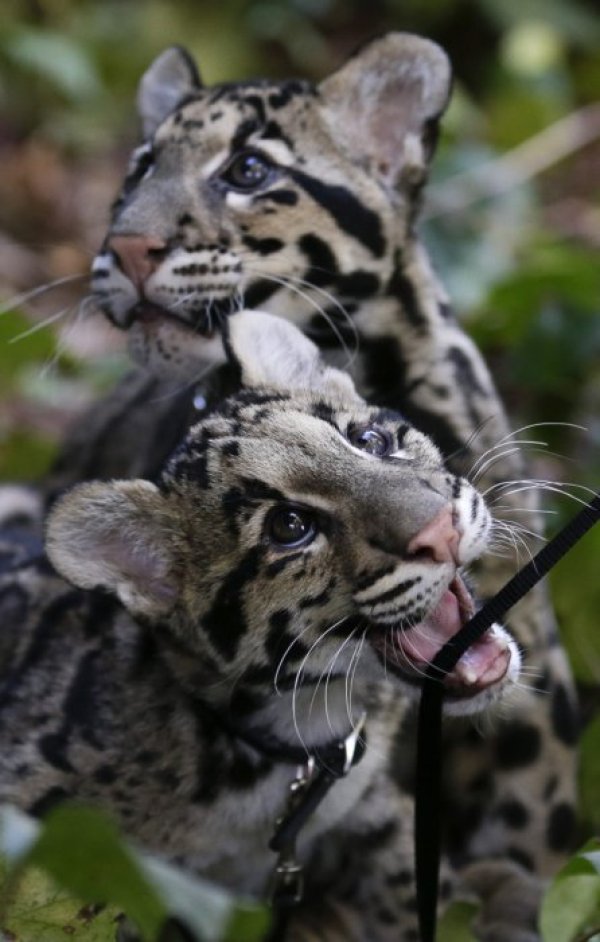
{"x": 483, "y": 663}
{"x": 422, "y": 642}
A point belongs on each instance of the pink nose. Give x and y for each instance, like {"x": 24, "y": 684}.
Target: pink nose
{"x": 138, "y": 256}
{"x": 438, "y": 539}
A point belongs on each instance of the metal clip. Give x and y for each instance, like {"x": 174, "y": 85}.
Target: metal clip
{"x": 288, "y": 880}
{"x": 351, "y": 742}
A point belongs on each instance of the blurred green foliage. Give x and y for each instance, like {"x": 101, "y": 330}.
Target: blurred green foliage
{"x": 517, "y": 243}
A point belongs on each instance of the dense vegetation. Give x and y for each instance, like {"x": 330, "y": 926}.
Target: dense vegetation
{"x": 512, "y": 220}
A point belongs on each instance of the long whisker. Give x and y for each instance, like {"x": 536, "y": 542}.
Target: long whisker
{"x": 40, "y": 326}
{"x": 18, "y": 299}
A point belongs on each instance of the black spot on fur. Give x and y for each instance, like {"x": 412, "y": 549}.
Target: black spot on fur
{"x": 78, "y": 713}
{"x": 256, "y": 102}
{"x": 463, "y": 368}
{"x": 283, "y": 197}
{"x": 513, "y": 813}
{"x": 332, "y": 327}
{"x": 564, "y": 719}
{"x": 518, "y": 745}
{"x": 402, "y": 288}
{"x": 258, "y": 292}
{"x": 286, "y": 91}
{"x": 245, "y": 702}
{"x": 278, "y": 565}
{"x": 325, "y": 412}
{"x": 352, "y": 216}
{"x": 521, "y": 857}
{"x": 379, "y": 836}
{"x": 359, "y": 285}
{"x": 312, "y": 601}
{"x": 281, "y": 641}
{"x": 322, "y": 262}
{"x": 385, "y": 370}
{"x": 231, "y": 448}
{"x": 225, "y": 624}
{"x": 561, "y": 827}
{"x": 263, "y": 246}
{"x": 274, "y": 131}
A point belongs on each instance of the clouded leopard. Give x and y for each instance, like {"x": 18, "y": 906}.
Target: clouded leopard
{"x": 292, "y": 570}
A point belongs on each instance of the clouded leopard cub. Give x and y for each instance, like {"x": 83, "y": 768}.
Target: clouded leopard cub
{"x": 294, "y": 566}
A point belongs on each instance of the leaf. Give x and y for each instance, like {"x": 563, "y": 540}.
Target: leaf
{"x": 56, "y": 58}
{"x": 40, "y": 912}
{"x": 589, "y": 776}
{"x": 576, "y": 592}
{"x": 572, "y": 903}
{"x": 81, "y": 850}
{"x": 455, "y": 924}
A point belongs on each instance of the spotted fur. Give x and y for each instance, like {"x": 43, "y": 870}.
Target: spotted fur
{"x": 199, "y": 648}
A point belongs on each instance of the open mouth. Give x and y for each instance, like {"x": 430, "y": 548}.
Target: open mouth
{"x": 407, "y": 651}
{"x": 203, "y": 320}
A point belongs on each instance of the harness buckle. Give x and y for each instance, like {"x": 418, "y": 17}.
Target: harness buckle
{"x": 351, "y": 742}
{"x": 288, "y": 881}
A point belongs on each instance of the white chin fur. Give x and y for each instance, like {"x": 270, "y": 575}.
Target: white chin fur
{"x": 173, "y": 352}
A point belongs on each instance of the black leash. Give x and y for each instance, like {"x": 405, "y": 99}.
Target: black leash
{"x": 429, "y": 734}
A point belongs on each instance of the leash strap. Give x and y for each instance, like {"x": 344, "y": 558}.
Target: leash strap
{"x": 429, "y": 729}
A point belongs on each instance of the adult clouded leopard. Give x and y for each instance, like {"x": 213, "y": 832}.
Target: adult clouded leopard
{"x": 295, "y": 565}
{"x": 297, "y": 198}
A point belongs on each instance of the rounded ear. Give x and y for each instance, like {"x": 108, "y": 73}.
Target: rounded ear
{"x": 170, "y": 79}
{"x": 115, "y": 536}
{"x": 386, "y": 102}
{"x": 271, "y": 352}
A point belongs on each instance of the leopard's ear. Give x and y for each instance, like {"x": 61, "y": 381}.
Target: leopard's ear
{"x": 116, "y": 536}
{"x": 167, "y": 82}
{"x": 271, "y": 352}
{"x": 385, "y": 104}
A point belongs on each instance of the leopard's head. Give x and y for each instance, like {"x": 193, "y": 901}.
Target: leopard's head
{"x": 299, "y": 542}
{"x": 294, "y": 198}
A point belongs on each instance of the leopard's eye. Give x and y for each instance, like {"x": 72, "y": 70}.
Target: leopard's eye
{"x": 291, "y": 526}
{"x": 375, "y": 441}
{"x": 247, "y": 170}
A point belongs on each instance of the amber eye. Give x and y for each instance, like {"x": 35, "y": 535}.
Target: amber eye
{"x": 374, "y": 441}
{"x": 291, "y": 526}
{"x": 247, "y": 170}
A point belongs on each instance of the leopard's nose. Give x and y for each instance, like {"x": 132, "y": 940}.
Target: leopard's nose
{"x": 438, "y": 540}
{"x": 138, "y": 256}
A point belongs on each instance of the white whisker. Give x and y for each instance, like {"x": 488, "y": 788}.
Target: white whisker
{"x": 18, "y": 299}
{"x": 40, "y": 326}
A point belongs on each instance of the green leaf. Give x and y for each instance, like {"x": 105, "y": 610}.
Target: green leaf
{"x": 576, "y": 592}
{"x": 38, "y": 346}
{"x": 571, "y": 905}
{"x": 455, "y": 924}
{"x": 56, "y": 58}
{"x": 38, "y": 911}
{"x": 82, "y": 853}
{"x": 81, "y": 850}
{"x": 589, "y": 776}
